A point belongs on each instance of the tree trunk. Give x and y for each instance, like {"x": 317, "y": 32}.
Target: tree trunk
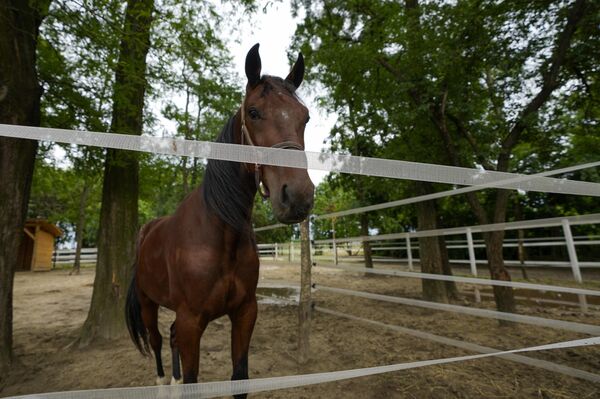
{"x": 185, "y": 172}
{"x": 119, "y": 211}
{"x": 20, "y": 95}
{"x": 430, "y": 253}
{"x": 504, "y": 296}
{"x": 451, "y": 289}
{"x": 364, "y": 231}
{"x": 521, "y": 235}
{"x": 522, "y": 253}
{"x": 80, "y": 225}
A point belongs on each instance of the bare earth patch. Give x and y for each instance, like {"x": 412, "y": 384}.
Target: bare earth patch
{"x": 51, "y": 307}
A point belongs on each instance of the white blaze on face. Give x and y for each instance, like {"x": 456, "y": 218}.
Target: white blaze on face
{"x": 284, "y": 115}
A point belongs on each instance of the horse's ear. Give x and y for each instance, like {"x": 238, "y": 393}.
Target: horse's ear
{"x": 253, "y": 66}
{"x": 297, "y": 73}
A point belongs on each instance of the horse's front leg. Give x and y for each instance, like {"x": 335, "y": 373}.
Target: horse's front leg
{"x": 189, "y": 328}
{"x": 242, "y": 325}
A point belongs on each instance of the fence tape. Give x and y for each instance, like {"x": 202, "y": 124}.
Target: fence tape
{"x": 492, "y": 314}
{"x": 312, "y": 160}
{"x": 543, "y": 364}
{"x": 539, "y": 363}
{"x": 482, "y": 228}
{"x": 468, "y": 280}
{"x": 428, "y": 197}
{"x": 448, "y": 193}
{"x": 229, "y": 388}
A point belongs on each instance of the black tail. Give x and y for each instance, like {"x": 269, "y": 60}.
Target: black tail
{"x": 133, "y": 317}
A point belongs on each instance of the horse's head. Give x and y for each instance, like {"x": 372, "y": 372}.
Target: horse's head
{"x": 273, "y": 116}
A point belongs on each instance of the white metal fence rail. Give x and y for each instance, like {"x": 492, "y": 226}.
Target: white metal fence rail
{"x": 62, "y": 256}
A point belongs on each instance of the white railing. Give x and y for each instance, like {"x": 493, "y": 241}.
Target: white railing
{"x": 277, "y": 251}
{"x": 89, "y": 255}
{"x": 61, "y": 256}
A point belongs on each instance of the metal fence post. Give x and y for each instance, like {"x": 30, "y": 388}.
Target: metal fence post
{"x": 409, "y": 253}
{"x": 473, "y": 261}
{"x": 574, "y": 261}
{"x": 304, "y": 305}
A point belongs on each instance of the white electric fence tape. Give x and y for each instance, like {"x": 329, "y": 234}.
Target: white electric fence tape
{"x": 468, "y": 280}
{"x": 229, "y": 388}
{"x": 482, "y": 228}
{"x": 441, "y": 194}
{"x": 543, "y": 364}
{"x": 448, "y": 193}
{"x": 303, "y": 159}
{"x": 492, "y": 314}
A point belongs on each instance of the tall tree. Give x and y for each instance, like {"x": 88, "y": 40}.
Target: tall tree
{"x": 19, "y": 105}
{"x": 466, "y": 81}
{"x": 374, "y": 121}
{"x": 455, "y": 123}
{"x": 119, "y": 212}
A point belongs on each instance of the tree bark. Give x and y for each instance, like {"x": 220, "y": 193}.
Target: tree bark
{"x": 364, "y": 231}
{"x": 20, "y": 94}
{"x": 451, "y": 290}
{"x": 504, "y": 296}
{"x": 80, "y": 225}
{"x": 119, "y": 211}
{"x": 430, "y": 253}
{"x": 521, "y": 235}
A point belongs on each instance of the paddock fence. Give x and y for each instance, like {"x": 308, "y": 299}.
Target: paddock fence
{"x": 389, "y": 248}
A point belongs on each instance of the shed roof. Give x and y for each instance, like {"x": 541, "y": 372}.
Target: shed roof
{"x": 44, "y": 225}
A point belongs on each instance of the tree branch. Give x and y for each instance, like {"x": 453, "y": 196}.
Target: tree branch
{"x": 550, "y": 81}
{"x": 462, "y": 129}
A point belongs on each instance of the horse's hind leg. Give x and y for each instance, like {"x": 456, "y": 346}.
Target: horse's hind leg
{"x": 150, "y": 319}
{"x": 176, "y": 379}
{"x": 242, "y": 325}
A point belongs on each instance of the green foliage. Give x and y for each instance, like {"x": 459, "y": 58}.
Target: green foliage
{"x": 397, "y": 75}
{"x": 262, "y": 215}
{"x": 331, "y": 198}
{"x": 463, "y": 83}
{"x": 55, "y": 196}
{"x": 189, "y": 76}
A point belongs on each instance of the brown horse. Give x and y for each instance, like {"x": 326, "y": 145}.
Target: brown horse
{"x": 202, "y": 261}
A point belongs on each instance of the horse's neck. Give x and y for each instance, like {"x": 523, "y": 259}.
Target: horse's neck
{"x": 228, "y": 190}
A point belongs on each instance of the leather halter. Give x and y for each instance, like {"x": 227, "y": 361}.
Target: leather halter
{"x": 290, "y": 145}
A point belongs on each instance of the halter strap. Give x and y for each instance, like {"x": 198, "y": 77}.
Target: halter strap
{"x": 290, "y": 145}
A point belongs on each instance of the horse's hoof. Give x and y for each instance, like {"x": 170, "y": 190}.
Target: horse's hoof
{"x": 175, "y": 382}
{"x": 161, "y": 381}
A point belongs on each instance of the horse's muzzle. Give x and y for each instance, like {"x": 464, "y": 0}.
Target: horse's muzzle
{"x": 292, "y": 204}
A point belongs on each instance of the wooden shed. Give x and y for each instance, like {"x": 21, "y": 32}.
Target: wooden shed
{"x": 36, "y": 249}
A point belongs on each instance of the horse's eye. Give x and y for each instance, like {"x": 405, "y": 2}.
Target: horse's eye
{"x": 254, "y": 114}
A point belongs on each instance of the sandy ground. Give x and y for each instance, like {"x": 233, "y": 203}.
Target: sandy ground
{"x": 51, "y": 307}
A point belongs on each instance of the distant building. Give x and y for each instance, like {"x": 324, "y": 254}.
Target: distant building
{"x": 36, "y": 249}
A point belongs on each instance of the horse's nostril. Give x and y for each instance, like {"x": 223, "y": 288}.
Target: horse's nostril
{"x": 285, "y": 199}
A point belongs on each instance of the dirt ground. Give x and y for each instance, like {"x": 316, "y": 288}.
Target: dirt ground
{"x": 49, "y": 309}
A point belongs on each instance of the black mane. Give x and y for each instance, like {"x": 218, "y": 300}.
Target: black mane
{"x": 224, "y": 189}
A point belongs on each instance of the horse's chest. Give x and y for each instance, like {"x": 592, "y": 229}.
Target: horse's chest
{"x": 241, "y": 281}
{"x": 223, "y": 287}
